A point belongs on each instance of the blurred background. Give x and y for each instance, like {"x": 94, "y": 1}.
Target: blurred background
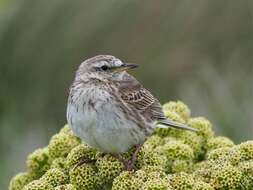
{"x": 200, "y": 52}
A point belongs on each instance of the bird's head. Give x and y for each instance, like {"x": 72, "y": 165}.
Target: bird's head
{"x": 103, "y": 67}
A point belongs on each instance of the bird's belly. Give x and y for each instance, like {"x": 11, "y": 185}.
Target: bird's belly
{"x": 107, "y": 130}
{"x": 113, "y": 133}
{"x": 114, "y": 139}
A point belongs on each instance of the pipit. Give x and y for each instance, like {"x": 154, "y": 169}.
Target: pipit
{"x": 110, "y": 110}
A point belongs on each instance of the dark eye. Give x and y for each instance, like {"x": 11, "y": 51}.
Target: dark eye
{"x": 104, "y": 68}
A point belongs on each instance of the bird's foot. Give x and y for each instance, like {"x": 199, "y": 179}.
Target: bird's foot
{"x": 84, "y": 160}
{"x": 129, "y": 165}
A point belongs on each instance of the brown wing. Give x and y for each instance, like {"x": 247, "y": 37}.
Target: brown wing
{"x": 137, "y": 97}
{"x": 143, "y": 102}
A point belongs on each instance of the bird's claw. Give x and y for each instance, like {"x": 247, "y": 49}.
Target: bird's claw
{"x": 129, "y": 165}
{"x": 84, "y": 160}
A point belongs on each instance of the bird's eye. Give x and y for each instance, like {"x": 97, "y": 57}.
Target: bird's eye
{"x": 104, "y": 68}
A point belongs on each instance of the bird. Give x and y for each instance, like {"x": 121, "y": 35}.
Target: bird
{"x": 110, "y": 110}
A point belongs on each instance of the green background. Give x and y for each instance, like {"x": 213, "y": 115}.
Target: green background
{"x": 200, "y": 52}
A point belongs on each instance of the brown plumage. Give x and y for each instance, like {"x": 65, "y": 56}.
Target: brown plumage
{"x": 109, "y": 109}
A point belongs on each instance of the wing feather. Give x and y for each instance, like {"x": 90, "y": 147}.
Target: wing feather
{"x": 143, "y": 102}
{"x": 139, "y": 98}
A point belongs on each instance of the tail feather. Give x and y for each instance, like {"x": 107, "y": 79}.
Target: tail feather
{"x": 176, "y": 125}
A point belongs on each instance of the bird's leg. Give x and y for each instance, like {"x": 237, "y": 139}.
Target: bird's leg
{"x": 129, "y": 165}
{"x": 84, "y": 160}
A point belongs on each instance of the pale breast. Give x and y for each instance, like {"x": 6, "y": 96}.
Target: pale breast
{"x": 95, "y": 117}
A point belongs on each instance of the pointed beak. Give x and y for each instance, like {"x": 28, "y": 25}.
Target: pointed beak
{"x": 126, "y": 67}
{"x": 130, "y": 66}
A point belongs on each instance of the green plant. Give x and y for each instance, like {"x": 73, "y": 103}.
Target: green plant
{"x": 169, "y": 159}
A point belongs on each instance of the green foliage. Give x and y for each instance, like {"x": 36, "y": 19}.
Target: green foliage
{"x": 20, "y": 180}
{"x": 82, "y": 150}
{"x": 199, "y": 52}
{"x": 65, "y": 187}
{"x": 59, "y": 163}
{"x": 227, "y": 177}
{"x": 219, "y": 142}
{"x": 182, "y": 181}
{"x": 169, "y": 159}
{"x": 83, "y": 177}
{"x": 38, "y": 185}
{"x": 178, "y": 108}
{"x": 108, "y": 168}
{"x": 61, "y": 144}
{"x": 39, "y": 161}
{"x": 126, "y": 181}
{"x": 55, "y": 177}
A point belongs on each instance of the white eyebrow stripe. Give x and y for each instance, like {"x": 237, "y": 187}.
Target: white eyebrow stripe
{"x": 118, "y": 62}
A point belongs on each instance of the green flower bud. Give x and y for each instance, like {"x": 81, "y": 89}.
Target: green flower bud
{"x": 38, "y": 185}
{"x": 178, "y": 107}
{"x": 200, "y": 185}
{"x": 66, "y": 129}
{"x": 194, "y": 141}
{"x": 156, "y": 181}
{"x": 227, "y": 177}
{"x": 65, "y": 187}
{"x": 176, "y": 150}
{"x": 174, "y": 116}
{"x": 182, "y": 181}
{"x": 82, "y": 150}
{"x": 39, "y": 161}
{"x": 83, "y": 177}
{"x": 61, "y": 144}
{"x": 20, "y": 180}
{"x": 108, "y": 168}
{"x": 180, "y": 166}
{"x": 218, "y": 153}
{"x": 126, "y": 181}
{"x": 218, "y": 142}
{"x": 246, "y": 150}
{"x": 153, "y": 142}
{"x": 55, "y": 177}
{"x": 204, "y": 127}
{"x": 59, "y": 163}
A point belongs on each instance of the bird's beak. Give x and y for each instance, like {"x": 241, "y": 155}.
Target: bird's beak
{"x": 125, "y": 67}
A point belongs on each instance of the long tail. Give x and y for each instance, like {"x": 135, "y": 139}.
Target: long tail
{"x": 176, "y": 125}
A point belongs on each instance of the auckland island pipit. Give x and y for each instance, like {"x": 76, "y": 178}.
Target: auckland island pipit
{"x": 110, "y": 110}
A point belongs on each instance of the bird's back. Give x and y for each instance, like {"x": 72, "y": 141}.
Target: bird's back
{"x": 139, "y": 99}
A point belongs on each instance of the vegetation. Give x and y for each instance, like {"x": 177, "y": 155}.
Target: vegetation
{"x": 169, "y": 159}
